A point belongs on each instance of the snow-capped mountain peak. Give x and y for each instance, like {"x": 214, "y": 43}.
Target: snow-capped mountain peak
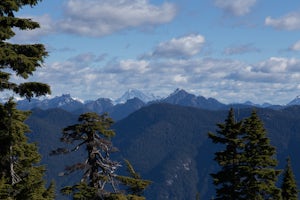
{"x": 134, "y": 93}
{"x": 295, "y": 101}
{"x": 65, "y": 99}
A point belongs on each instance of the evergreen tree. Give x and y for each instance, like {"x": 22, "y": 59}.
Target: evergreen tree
{"x": 227, "y": 179}
{"x": 247, "y": 162}
{"x": 258, "y": 168}
{"x": 99, "y": 179}
{"x": 21, "y": 177}
{"x": 20, "y": 59}
{"x": 289, "y": 189}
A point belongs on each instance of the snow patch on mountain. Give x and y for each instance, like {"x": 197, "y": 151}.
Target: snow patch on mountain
{"x": 295, "y": 101}
{"x": 133, "y": 93}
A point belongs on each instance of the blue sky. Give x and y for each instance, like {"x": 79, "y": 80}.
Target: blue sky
{"x": 231, "y": 50}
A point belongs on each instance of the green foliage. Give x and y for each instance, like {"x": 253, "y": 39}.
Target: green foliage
{"x": 228, "y": 178}
{"x": 81, "y": 191}
{"x": 259, "y": 173}
{"x": 247, "y": 163}
{"x": 21, "y": 176}
{"x": 121, "y": 196}
{"x": 136, "y": 185}
{"x": 20, "y": 59}
{"x": 289, "y": 189}
{"x": 93, "y": 133}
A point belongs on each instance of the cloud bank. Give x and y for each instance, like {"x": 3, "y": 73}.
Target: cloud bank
{"x": 183, "y": 47}
{"x": 225, "y": 79}
{"x": 102, "y": 17}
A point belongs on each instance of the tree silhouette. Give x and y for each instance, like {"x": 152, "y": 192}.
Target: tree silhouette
{"x": 99, "y": 180}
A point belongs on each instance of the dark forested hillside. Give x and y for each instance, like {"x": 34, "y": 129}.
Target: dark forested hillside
{"x": 46, "y": 127}
{"x": 168, "y": 144}
{"x": 163, "y": 141}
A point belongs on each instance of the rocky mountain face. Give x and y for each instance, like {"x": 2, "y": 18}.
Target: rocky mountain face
{"x": 181, "y": 97}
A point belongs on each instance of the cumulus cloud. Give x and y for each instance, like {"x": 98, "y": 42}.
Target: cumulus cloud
{"x": 275, "y": 70}
{"x": 99, "y": 17}
{"x": 240, "y": 49}
{"x": 102, "y": 17}
{"x": 235, "y": 7}
{"x": 182, "y": 47}
{"x": 290, "y": 21}
{"x": 278, "y": 65}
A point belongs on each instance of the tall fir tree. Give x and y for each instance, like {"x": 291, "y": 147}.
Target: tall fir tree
{"x": 21, "y": 176}
{"x": 259, "y": 175}
{"x": 248, "y": 161}
{"x": 100, "y": 180}
{"x": 289, "y": 190}
{"x": 227, "y": 179}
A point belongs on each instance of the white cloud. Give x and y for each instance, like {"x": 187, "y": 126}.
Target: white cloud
{"x": 290, "y": 21}
{"x": 102, "y": 17}
{"x": 185, "y": 46}
{"x": 236, "y": 7}
{"x": 278, "y": 65}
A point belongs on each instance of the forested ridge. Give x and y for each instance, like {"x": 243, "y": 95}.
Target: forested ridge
{"x": 168, "y": 144}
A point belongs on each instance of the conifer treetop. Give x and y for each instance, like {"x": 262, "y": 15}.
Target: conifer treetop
{"x": 19, "y": 59}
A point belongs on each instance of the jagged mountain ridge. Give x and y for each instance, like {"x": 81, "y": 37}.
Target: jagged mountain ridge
{"x": 135, "y": 99}
{"x": 181, "y": 97}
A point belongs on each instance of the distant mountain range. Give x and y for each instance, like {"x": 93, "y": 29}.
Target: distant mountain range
{"x": 164, "y": 138}
{"x": 133, "y": 100}
{"x": 167, "y": 144}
